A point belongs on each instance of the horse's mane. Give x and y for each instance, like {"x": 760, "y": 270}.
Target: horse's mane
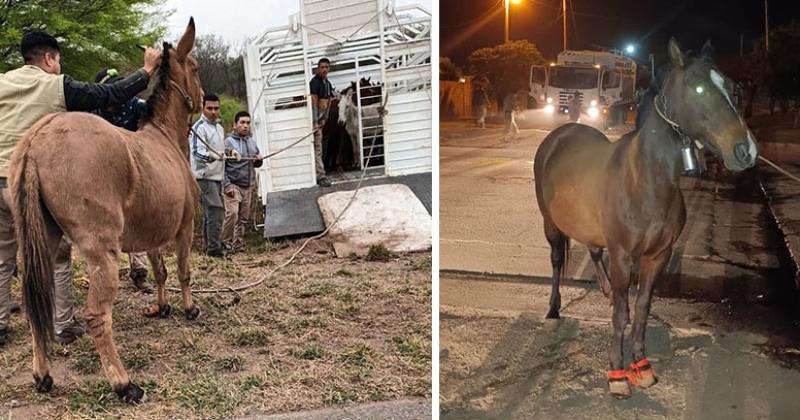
{"x": 163, "y": 81}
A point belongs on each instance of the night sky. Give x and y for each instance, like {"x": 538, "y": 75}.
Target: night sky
{"x": 469, "y": 24}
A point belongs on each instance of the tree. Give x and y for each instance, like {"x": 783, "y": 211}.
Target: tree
{"x": 92, "y": 34}
{"x": 448, "y": 70}
{"x": 783, "y": 77}
{"x": 507, "y": 65}
{"x": 219, "y": 71}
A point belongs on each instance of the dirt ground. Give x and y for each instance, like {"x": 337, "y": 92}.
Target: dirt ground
{"x": 323, "y": 332}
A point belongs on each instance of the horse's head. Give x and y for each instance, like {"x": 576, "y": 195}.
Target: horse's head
{"x": 345, "y": 102}
{"x": 697, "y": 97}
{"x": 183, "y": 69}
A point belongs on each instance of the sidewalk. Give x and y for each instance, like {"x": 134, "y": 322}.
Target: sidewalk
{"x": 409, "y": 409}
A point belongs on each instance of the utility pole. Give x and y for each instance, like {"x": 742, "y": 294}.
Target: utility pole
{"x": 564, "y": 19}
{"x": 508, "y": 5}
{"x": 766, "y": 24}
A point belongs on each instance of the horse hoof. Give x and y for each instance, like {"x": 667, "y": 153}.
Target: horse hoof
{"x": 43, "y": 385}
{"x": 552, "y": 314}
{"x": 131, "y": 394}
{"x": 192, "y": 313}
{"x": 619, "y": 389}
{"x": 641, "y": 374}
{"x": 157, "y": 311}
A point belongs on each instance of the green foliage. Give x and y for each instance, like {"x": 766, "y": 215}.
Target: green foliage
{"x": 783, "y": 76}
{"x": 507, "y": 65}
{"x": 448, "y": 70}
{"x": 228, "y": 108}
{"x": 92, "y": 34}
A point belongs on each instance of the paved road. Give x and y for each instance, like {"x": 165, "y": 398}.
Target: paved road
{"x": 490, "y": 223}
{"x": 720, "y": 347}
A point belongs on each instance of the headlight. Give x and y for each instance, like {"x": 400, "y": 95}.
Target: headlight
{"x": 549, "y": 109}
{"x": 593, "y": 112}
{"x": 549, "y": 100}
{"x": 593, "y": 103}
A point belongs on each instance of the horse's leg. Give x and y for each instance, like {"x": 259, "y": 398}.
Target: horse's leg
{"x": 161, "y": 309}
{"x": 356, "y": 149}
{"x": 620, "y": 264}
{"x": 101, "y": 256}
{"x": 558, "y": 255}
{"x": 600, "y": 269}
{"x": 183, "y": 248}
{"x": 641, "y": 372}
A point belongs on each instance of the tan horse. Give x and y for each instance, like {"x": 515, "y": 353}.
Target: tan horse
{"x": 110, "y": 191}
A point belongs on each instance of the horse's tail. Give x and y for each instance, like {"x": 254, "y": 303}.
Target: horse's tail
{"x": 28, "y": 207}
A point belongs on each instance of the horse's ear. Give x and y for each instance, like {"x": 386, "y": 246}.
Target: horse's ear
{"x": 707, "y": 50}
{"x": 186, "y": 43}
{"x": 675, "y": 53}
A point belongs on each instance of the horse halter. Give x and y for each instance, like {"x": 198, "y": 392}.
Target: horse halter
{"x": 186, "y": 99}
{"x": 688, "y": 155}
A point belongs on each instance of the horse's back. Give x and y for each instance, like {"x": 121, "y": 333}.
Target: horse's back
{"x": 91, "y": 170}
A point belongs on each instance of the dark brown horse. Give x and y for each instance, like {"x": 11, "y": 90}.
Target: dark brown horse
{"x": 625, "y": 196}
{"x": 110, "y": 191}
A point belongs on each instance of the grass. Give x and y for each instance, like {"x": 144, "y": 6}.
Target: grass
{"x": 379, "y": 253}
{"x": 248, "y": 336}
{"x": 322, "y": 332}
{"x": 311, "y": 352}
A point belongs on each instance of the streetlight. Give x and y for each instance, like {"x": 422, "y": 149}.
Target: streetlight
{"x": 630, "y": 49}
{"x": 508, "y": 6}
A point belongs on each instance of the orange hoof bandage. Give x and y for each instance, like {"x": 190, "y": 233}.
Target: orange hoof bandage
{"x": 618, "y": 375}
{"x": 641, "y": 374}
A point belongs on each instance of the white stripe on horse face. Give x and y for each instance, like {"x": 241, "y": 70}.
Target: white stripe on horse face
{"x": 719, "y": 82}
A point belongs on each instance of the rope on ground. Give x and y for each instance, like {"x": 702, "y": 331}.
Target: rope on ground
{"x": 781, "y": 170}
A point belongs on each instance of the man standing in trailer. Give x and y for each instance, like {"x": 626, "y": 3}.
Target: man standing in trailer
{"x": 321, "y": 94}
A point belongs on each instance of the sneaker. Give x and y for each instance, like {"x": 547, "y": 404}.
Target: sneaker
{"x": 70, "y": 333}
{"x": 216, "y": 254}
{"x": 324, "y": 182}
{"x": 4, "y": 335}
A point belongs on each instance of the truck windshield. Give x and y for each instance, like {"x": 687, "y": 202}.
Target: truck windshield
{"x": 573, "y": 77}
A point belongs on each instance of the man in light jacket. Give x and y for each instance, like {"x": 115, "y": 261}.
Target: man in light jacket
{"x": 207, "y": 144}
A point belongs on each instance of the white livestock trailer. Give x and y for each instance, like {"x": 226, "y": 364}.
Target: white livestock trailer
{"x": 370, "y": 39}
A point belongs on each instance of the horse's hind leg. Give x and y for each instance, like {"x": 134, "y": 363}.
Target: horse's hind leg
{"x": 101, "y": 256}
{"x": 559, "y": 244}
{"x": 641, "y": 372}
{"x": 600, "y": 269}
{"x": 183, "y": 247}
{"x": 161, "y": 309}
